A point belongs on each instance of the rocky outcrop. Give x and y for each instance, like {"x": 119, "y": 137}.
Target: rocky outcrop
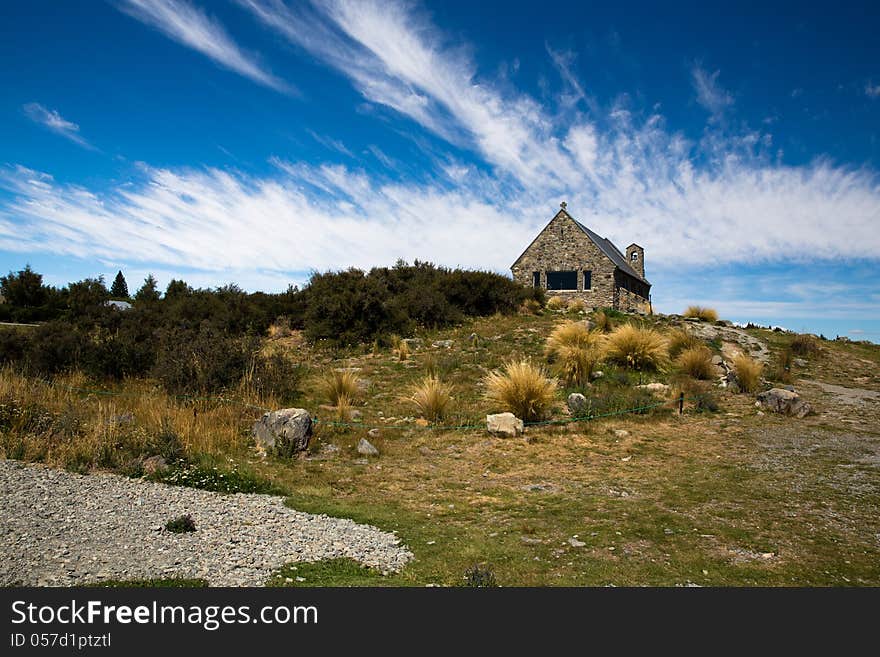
{"x": 285, "y": 432}
{"x": 787, "y": 402}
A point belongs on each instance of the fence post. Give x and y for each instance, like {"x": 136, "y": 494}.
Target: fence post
{"x": 681, "y": 403}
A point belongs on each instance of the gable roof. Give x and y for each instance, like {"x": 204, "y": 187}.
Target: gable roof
{"x": 605, "y": 245}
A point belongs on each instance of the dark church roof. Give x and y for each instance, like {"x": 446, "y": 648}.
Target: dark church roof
{"x": 607, "y": 247}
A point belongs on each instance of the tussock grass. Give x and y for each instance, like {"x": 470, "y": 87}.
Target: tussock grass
{"x": 556, "y": 303}
{"x": 571, "y": 334}
{"x": 431, "y": 396}
{"x": 804, "y": 345}
{"x": 521, "y": 388}
{"x": 339, "y": 384}
{"x": 696, "y": 362}
{"x": 637, "y": 348}
{"x": 748, "y": 373}
{"x": 681, "y": 339}
{"x": 531, "y": 307}
{"x": 576, "y": 306}
{"x": 603, "y": 321}
{"x": 702, "y": 313}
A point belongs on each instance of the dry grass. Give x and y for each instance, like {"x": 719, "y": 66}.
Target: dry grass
{"x": 531, "y": 307}
{"x": 523, "y": 389}
{"x": 680, "y": 339}
{"x": 571, "y": 334}
{"x": 575, "y": 365}
{"x": 602, "y": 321}
{"x": 401, "y": 351}
{"x": 431, "y": 396}
{"x": 57, "y": 424}
{"x": 338, "y": 384}
{"x": 702, "y": 313}
{"x": 804, "y": 345}
{"x": 576, "y": 306}
{"x": 556, "y": 303}
{"x": 637, "y": 348}
{"x": 342, "y": 410}
{"x": 748, "y": 373}
{"x": 696, "y": 362}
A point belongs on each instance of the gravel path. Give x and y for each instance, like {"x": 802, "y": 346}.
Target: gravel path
{"x": 58, "y": 528}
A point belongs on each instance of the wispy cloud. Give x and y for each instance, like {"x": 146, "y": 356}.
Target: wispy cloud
{"x": 872, "y": 90}
{"x": 330, "y": 143}
{"x": 53, "y": 121}
{"x": 192, "y": 27}
{"x": 710, "y": 95}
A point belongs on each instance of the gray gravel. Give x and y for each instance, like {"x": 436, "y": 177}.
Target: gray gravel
{"x": 59, "y": 529}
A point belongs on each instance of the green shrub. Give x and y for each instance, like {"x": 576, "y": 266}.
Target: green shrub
{"x": 181, "y": 525}
{"x": 479, "y": 576}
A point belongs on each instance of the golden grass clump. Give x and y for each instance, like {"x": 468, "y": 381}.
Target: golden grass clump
{"x": 804, "y": 345}
{"x": 637, "y": 348}
{"x": 680, "y": 340}
{"x": 571, "y": 334}
{"x": 748, "y": 373}
{"x": 696, "y": 362}
{"x": 431, "y": 396}
{"x": 531, "y": 307}
{"x": 522, "y": 389}
{"x": 575, "y": 365}
{"x": 576, "y": 306}
{"x": 702, "y": 313}
{"x": 602, "y": 321}
{"x": 336, "y": 385}
{"x": 402, "y": 351}
{"x": 556, "y": 303}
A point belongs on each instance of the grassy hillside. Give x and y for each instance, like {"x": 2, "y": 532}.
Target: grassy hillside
{"x": 723, "y": 494}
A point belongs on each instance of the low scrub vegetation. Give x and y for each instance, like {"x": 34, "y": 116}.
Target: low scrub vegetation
{"x": 702, "y": 313}
{"x": 637, "y": 348}
{"x": 556, "y": 303}
{"x": 680, "y": 339}
{"x": 748, "y": 373}
{"x": 339, "y": 385}
{"x": 696, "y": 362}
{"x": 804, "y": 345}
{"x": 431, "y": 396}
{"x": 576, "y": 306}
{"x": 181, "y": 525}
{"x": 523, "y": 389}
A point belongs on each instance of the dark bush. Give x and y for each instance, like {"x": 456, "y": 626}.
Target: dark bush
{"x": 181, "y": 525}
{"x": 479, "y": 576}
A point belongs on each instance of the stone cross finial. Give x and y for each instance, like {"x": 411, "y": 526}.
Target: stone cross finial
{"x": 562, "y": 205}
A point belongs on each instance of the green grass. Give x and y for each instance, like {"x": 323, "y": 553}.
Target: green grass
{"x": 330, "y": 572}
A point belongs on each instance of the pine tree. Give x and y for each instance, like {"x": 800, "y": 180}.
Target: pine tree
{"x": 149, "y": 291}
{"x": 119, "y": 289}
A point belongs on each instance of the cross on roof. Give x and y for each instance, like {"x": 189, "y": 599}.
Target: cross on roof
{"x": 562, "y": 205}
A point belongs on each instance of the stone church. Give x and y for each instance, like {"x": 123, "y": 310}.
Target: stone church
{"x": 569, "y": 260}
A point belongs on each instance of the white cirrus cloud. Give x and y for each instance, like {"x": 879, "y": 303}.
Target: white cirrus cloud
{"x": 192, "y": 27}
{"x": 53, "y": 121}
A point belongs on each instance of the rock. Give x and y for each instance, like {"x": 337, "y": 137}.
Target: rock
{"x": 356, "y": 415}
{"x": 598, "y": 374}
{"x": 504, "y": 424}
{"x": 655, "y": 388}
{"x": 621, "y": 433}
{"x": 576, "y": 403}
{"x": 800, "y": 362}
{"x": 787, "y": 402}
{"x": 366, "y": 448}
{"x": 443, "y": 344}
{"x": 285, "y": 432}
{"x": 573, "y": 542}
{"x": 373, "y": 433}
{"x": 154, "y": 465}
{"x": 412, "y": 343}
{"x": 717, "y": 360}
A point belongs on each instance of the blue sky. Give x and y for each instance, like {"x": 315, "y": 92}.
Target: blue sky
{"x": 255, "y": 141}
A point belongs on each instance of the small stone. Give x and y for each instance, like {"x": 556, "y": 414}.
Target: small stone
{"x": 374, "y": 433}
{"x": 366, "y": 448}
{"x": 155, "y": 465}
{"x": 504, "y": 424}
{"x": 621, "y": 433}
{"x": 576, "y": 403}
{"x": 573, "y": 542}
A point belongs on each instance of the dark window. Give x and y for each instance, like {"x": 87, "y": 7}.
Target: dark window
{"x": 588, "y": 280}
{"x": 536, "y": 279}
{"x": 562, "y": 280}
